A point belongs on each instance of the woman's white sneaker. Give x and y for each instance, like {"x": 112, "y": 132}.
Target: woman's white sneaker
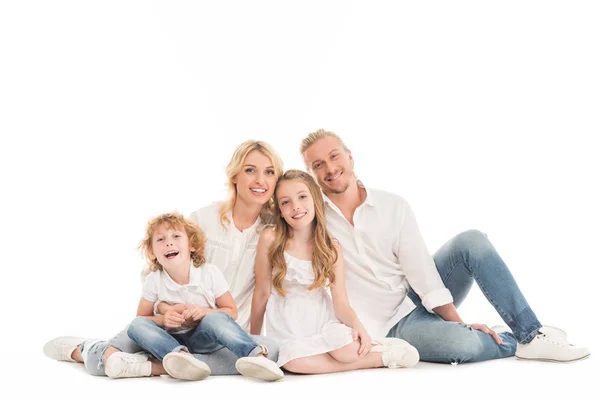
{"x": 182, "y": 365}
{"x": 260, "y": 368}
{"x": 126, "y": 365}
{"x": 61, "y": 348}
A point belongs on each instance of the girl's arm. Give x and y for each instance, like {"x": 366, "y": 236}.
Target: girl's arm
{"x": 262, "y": 272}
{"x": 342, "y": 308}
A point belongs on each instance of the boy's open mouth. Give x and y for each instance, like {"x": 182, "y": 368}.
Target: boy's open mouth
{"x": 171, "y": 254}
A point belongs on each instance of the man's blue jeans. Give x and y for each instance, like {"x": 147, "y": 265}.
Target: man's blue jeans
{"x": 466, "y": 258}
{"x": 215, "y": 331}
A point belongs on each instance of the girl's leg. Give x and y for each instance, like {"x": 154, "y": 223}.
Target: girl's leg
{"x": 325, "y": 363}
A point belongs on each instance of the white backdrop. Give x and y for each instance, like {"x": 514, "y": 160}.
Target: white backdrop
{"x": 482, "y": 115}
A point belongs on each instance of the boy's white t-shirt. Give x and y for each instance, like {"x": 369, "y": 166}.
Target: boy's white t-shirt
{"x": 206, "y": 284}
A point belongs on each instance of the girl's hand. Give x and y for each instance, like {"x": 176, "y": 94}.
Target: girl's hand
{"x": 365, "y": 340}
{"x": 483, "y": 328}
{"x": 172, "y": 319}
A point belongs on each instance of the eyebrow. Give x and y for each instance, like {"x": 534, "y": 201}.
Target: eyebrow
{"x": 252, "y": 165}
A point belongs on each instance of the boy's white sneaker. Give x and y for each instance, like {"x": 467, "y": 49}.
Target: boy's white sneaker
{"x": 61, "y": 348}
{"x": 260, "y": 368}
{"x": 396, "y": 353}
{"x": 182, "y": 365}
{"x": 126, "y": 365}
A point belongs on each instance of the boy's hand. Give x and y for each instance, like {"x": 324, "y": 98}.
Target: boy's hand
{"x": 173, "y": 319}
{"x": 195, "y": 312}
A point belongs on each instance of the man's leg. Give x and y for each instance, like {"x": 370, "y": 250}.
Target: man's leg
{"x": 471, "y": 257}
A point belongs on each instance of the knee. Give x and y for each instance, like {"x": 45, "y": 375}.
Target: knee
{"x": 215, "y": 319}
{"x": 138, "y": 325}
{"x": 346, "y": 354}
{"x": 473, "y": 243}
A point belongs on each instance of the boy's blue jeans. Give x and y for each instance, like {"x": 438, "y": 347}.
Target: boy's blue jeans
{"x": 221, "y": 362}
{"x": 466, "y": 258}
{"x": 215, "y": 331}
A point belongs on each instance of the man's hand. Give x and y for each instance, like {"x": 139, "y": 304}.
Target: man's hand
{"x": 485, "y": 329}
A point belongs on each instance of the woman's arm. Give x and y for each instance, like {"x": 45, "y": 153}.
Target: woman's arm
{"x": 262, "y": 271}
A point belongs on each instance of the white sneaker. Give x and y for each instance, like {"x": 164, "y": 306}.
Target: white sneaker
{"x": 182, "y": 365}
{"x": 551, "y": 344}
{"x": 61, "y": 348}
{"x": 260, "y": 368}
{"x": 396, "y": 353}
{"x": 126, "y": 365}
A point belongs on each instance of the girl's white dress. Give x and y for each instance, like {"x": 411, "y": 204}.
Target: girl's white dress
{"x": 303, "y": 323}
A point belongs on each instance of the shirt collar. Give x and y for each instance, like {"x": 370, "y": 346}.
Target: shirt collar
{"x": 172, "y": 285}
{"x": 368, "y": 199}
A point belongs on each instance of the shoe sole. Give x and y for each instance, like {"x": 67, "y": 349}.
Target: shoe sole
{"x": 554, "y": 361}
{"x": 253, "y": 370}
{"x": 178, "y": 367}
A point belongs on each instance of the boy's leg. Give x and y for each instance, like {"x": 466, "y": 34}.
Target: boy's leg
{"x": 222, "y": 361}
{"x": 152, "y": 337}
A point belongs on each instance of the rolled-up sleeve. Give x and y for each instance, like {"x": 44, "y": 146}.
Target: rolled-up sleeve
{"x": 417, "y": 263}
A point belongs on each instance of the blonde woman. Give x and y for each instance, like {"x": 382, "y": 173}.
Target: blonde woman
{"x": 232, "y": 230}
{"x": 296, "y": 262}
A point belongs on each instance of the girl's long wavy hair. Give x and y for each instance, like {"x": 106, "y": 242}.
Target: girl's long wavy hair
{"x": 324, "y": 253}
{"x": 235, "y": 167}
{"x": 196, "y": 238}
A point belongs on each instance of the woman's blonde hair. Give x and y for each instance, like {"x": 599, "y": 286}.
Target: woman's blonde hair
{"x": 235, "y": 167}
{"x": 324, "y": 253}
{"x": 196, "y": 238}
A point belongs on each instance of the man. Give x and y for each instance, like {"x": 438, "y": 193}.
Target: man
{"x": 399, "y": 290}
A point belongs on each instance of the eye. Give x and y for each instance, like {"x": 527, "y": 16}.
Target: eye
{"x": 303, "y": 196}
{"x": 283, "y": 203}
{"x": 249, "y": 170}
{"x": 159, "y": 239}
{"x": 270, "y": 172}
{"x": 317, "y": 165}
{"x": 334, "y": 156}
{"x": 177, "y": 235}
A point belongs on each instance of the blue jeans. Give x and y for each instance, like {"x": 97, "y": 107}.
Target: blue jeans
{"x": 221, "y": 362}
{"x": 466, "y": 258}
{"x": 215, "y": 331}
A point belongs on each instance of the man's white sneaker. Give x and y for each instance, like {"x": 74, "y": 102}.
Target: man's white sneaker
{"x": 61, "y": 348}
{"x": 396, "y": 353}
{"x": 260, "y": 368}
{"x": 126, "y": 365}
{"x": 551, "y": 344}
{"x": 182, "y": 365}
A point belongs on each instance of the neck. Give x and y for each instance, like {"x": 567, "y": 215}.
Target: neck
{"x": 303, "y": 236}
{"x": 349, "y": 201}
{"x": 180, "y": 274}
{"x": 244, "y": 215}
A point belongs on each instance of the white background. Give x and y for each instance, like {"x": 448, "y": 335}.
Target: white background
{"x": 482, "y": 115}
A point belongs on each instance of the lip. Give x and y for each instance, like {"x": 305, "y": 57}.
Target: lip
{"x": 257, "y": 193}
{"x": 166, "y": 255}
{"x": 299, "y": 216}
{"x": 335, "y": 177}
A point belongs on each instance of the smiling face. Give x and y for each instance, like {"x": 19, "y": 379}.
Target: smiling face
{"x": 256, "y": 181}
{"x": 170, "y": 247}
{"x": 331, "y": 164}
{"x": 295, "y": 203}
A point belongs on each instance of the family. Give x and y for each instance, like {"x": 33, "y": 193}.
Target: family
{"x": 310, "y": 273}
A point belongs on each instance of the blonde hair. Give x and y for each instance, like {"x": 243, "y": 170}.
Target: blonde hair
{"x": 196, "y": 238}
{"x": 319, "y": 134}
{"x": 324, "y": 253}
{"x": 235, "y": 167}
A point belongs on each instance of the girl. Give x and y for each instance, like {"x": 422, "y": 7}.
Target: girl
{"x": 232, "y": 229}
{"x": 297, "y": 262}
{"x": 204, "y": 323}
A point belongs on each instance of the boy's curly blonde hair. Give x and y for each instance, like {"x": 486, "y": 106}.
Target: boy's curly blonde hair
{"x": 196, "y": 238}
